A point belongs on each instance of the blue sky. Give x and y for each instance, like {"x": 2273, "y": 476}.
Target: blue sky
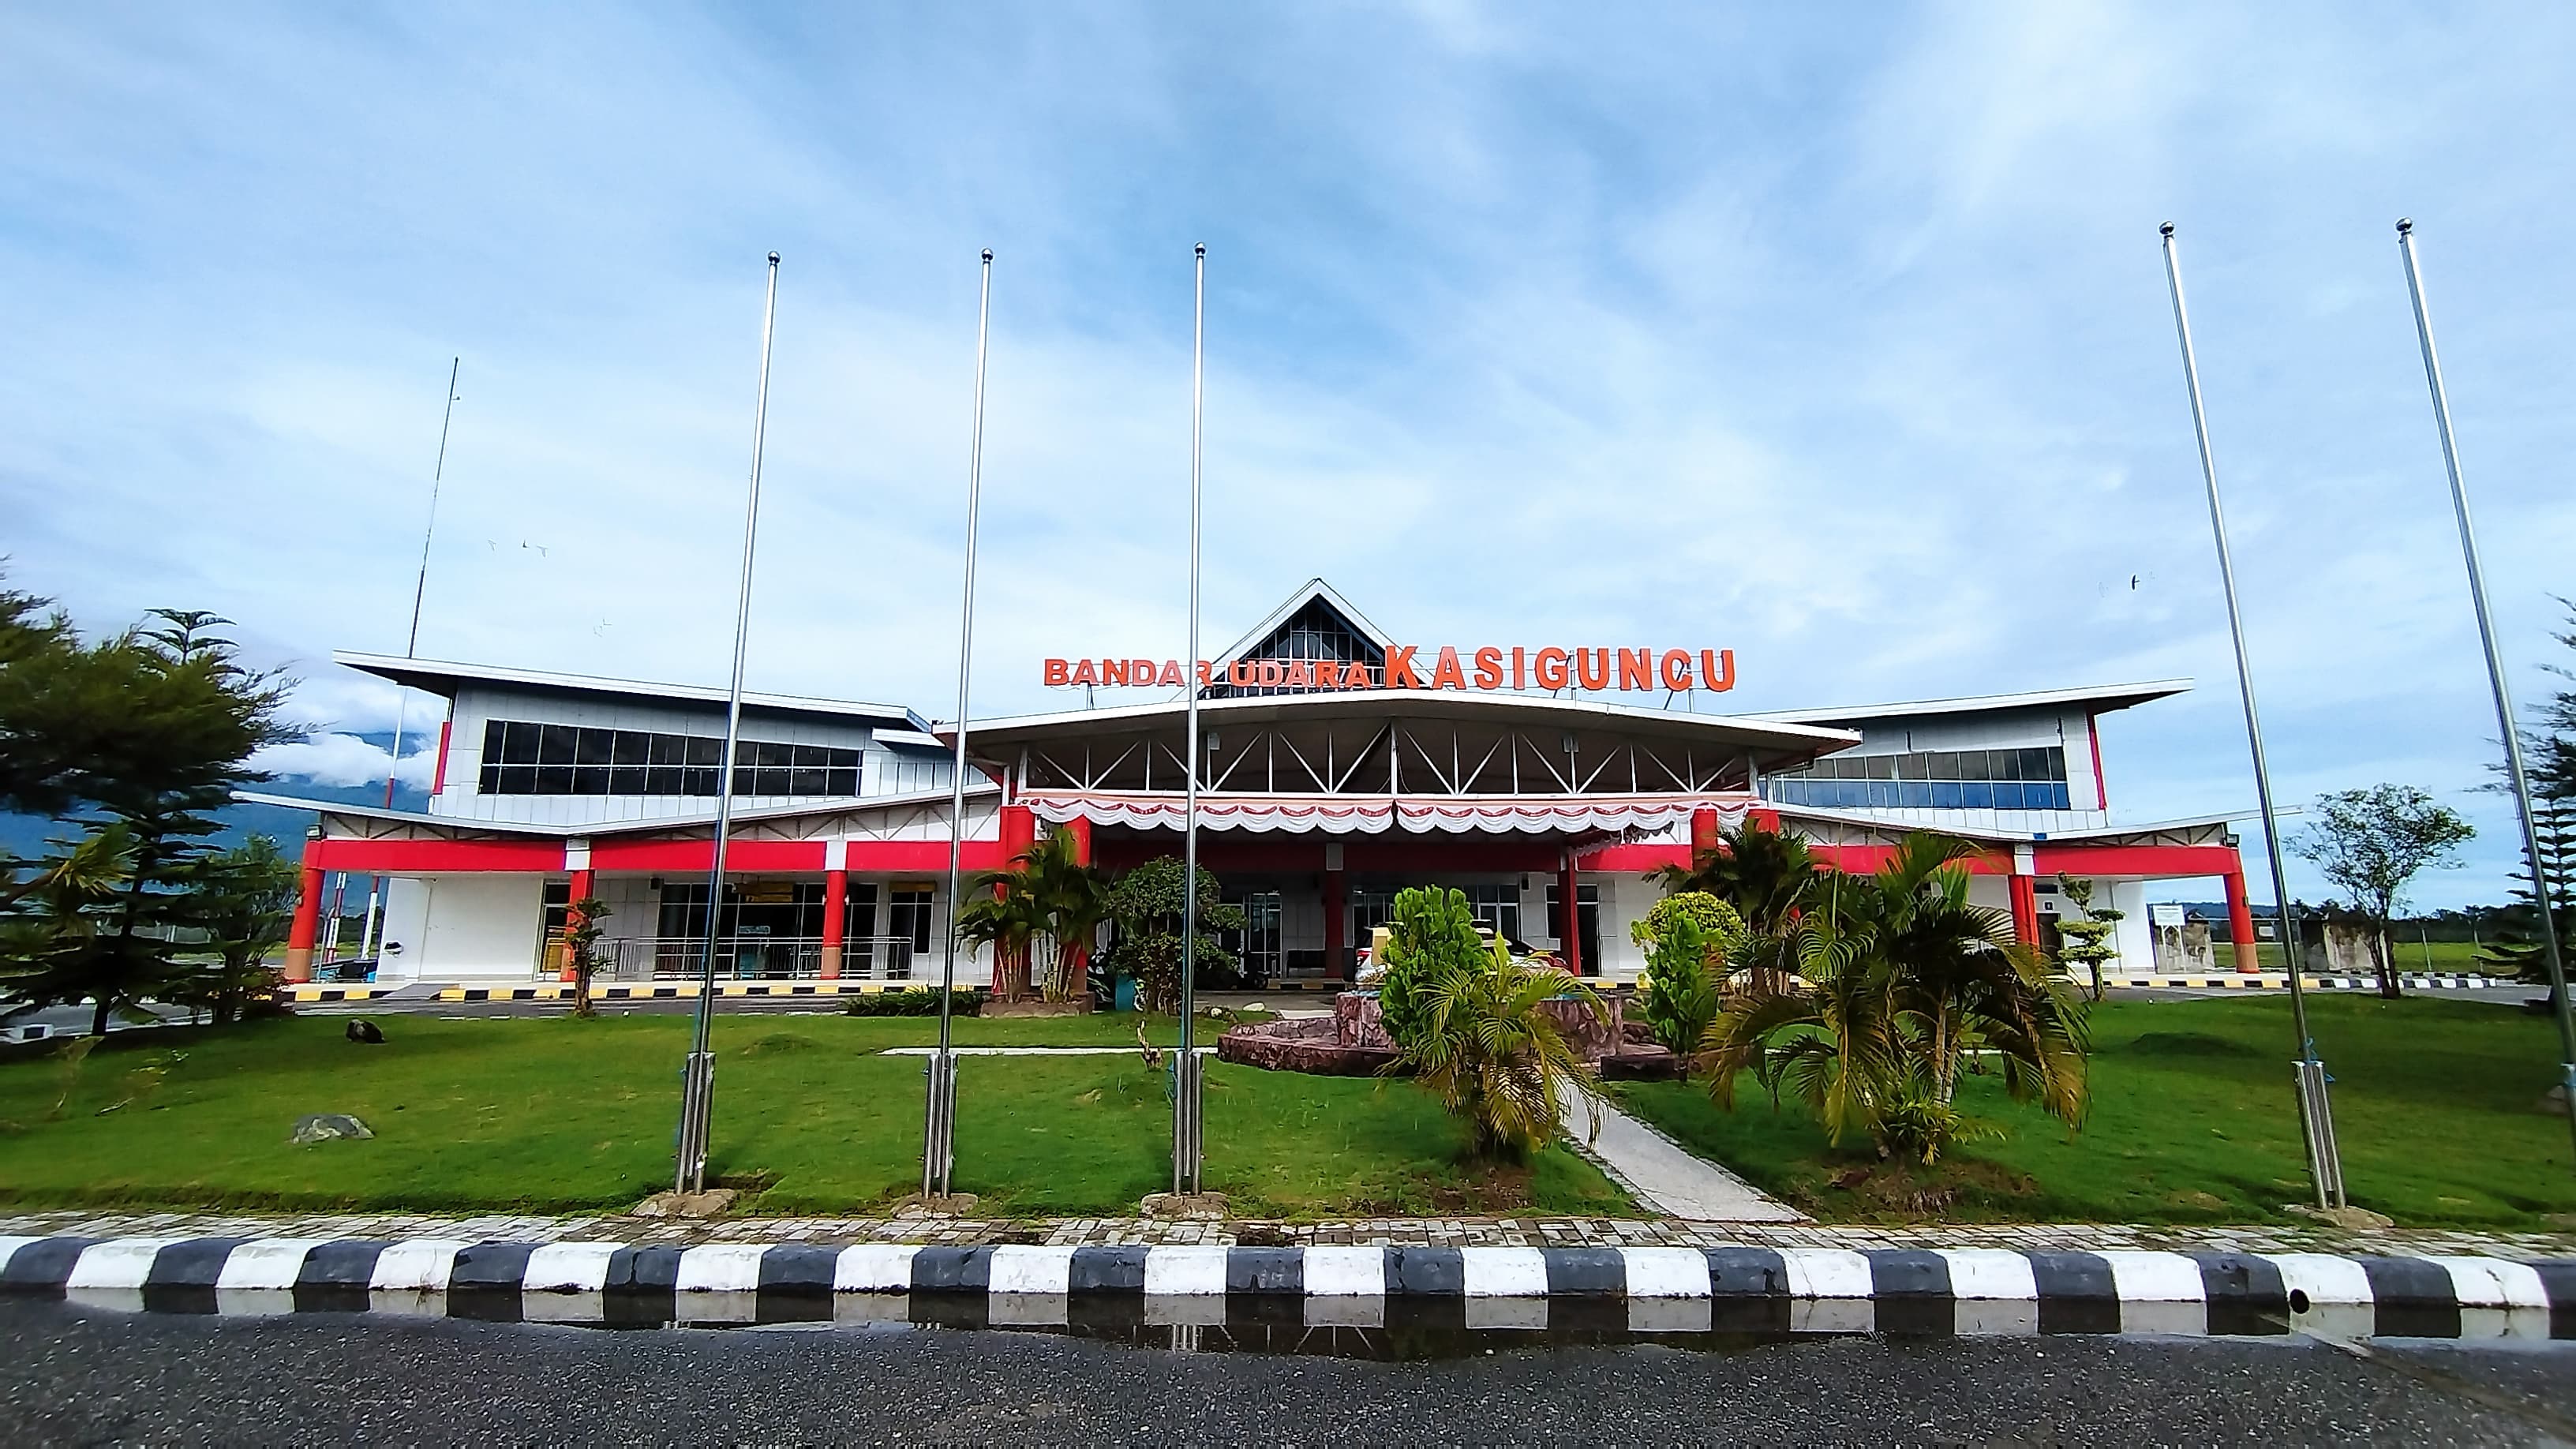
{"x": 1837, "y": 335}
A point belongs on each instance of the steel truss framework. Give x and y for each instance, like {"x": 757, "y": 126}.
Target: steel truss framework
{"x": 1393, "y": 756}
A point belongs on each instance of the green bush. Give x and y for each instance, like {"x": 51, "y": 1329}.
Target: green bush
{"x": 1691, "y": 938}
{"x": 1431, "y": 937}
{"x": 914, "y": 1001}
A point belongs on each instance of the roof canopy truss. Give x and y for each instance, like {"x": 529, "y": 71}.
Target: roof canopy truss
{"x": 1392, "y": 755}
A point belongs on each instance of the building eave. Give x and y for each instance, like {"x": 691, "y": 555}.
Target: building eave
{"x": 2095, "y": 699}
{"x": 445, "y": 677}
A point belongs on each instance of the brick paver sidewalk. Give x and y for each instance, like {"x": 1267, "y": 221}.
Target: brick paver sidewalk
{"x": 1520, "y": 1231}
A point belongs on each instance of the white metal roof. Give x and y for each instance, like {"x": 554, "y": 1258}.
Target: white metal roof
{"x": 443, "y": 676}
{"x": 1737, "y": 730}
{"x": 2100, "y": 699}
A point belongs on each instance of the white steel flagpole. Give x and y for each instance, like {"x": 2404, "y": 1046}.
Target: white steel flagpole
{"x": 376, "y": 885}
{"x": 1186, "y": 1116}
{"x": 2316, "y": 1119}
{"x": 698, "y": 1077}
{"x": 939, "y": 1131}
{"x": 2541, "y": 895}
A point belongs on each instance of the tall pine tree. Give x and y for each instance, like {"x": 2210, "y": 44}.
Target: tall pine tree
{"x": 137, "y": 740}
{"x": 2551, "y": 747}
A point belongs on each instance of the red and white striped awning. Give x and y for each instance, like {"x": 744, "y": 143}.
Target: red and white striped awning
{"x": 1591, "y": 815}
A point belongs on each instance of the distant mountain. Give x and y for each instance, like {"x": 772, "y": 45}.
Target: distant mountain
{"x": 28, "y": 835}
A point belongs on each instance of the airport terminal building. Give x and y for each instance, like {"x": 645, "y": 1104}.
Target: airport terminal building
{"x": 1340, "y": 766}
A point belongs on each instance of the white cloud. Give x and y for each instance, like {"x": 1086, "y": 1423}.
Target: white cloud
{"x": 1843, "y": 344}
{"x": 341, "y": 760}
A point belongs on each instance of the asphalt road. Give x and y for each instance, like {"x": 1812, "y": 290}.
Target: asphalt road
{"x": 74, "y": 1376}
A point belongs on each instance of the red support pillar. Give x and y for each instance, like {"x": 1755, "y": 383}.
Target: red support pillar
{"x": 836, "y": 919}
{"x": 1078, "y": 830}
{"x": 582, "y": 890}
{"x": 1569, "y": 941}
{"x": 2025, "y": 909}
{"x": 2240, "y": 923}
{"x": 307, "y": 925}
{"x": 1703, "y": 834}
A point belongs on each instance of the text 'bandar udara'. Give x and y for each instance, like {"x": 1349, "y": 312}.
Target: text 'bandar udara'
{"x": 1489, "y": 668}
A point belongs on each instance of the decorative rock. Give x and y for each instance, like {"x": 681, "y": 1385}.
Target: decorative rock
{"x": 2554, "y": 1101}
{"x": 1201, "y": 1206}
{"x": 363, "y": 1030}
{"x": 686, "y": 1204}
{"x": 323, "y": 1126}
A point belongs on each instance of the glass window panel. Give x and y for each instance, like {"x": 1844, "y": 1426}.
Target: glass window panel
{"x": 842, "y": 782}
{"x": 590, "y": 780}
{"x": 808, "y": 782}
{"x": 2007, "y": 764}
{"x": 2034, "y": 764}
{"x": 667, "y": 750}
{"x": 554, "y": 780}
{"x": 812, "y": 757}
{"x": 1880, "y": 767}
{"x": 705, "y": 750}
{"x": 627, "y": 780}
{"x": 664, "y": 780}
{"x": 702, "y": 781}
{"x": 769, "y": 755}
{"x": 1945, "y": 765}
{"x": 633, "y": 747}
{"x": 494, "y": 731}
{"x": 1914, "y": 794}
{"x": 1945, "y": 794}
{"x": 594, "y": 747}
{"x": 519, "y": 743}
{"x": 555, "y": 744}
{"x": 2008, "y": 797}
{"x": 2056, "y": 764}
{"x": 517, "y": 780}
{"x": 1972, "y": 765}
{"x": 1882, "y": 794}
{"x": 2058, "y": 797}
{"x": 1913, "y": 766}
{"x": 1977, "y": 795}
{"x": 490, "y": 784}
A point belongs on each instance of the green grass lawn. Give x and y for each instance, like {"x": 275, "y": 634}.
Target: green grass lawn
{"x": 551, "y": 1113}
{"x": 2446, "y": 957}
{"x": 2193, "y": 1121}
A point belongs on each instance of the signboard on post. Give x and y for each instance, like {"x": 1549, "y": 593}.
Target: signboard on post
{"x": 2164, "y": 915}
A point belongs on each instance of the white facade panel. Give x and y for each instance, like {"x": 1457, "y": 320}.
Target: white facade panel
{"x": 480, "y": 927}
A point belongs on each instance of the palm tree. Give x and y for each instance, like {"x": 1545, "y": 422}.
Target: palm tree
{"x": 1902, "y": 979}
{"x": 1767, "y": 875}
{"x": 1828, "y": 1038}
{"x": 1039, "y": 917}
{"x": 1482, "y": 1040}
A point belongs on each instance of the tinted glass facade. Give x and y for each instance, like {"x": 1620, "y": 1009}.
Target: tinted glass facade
{"x": 2022, "y": 779}
{"x": 523, "y": 758}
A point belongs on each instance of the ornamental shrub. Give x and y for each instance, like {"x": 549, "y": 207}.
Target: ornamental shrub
{"x": 1689, "y": 938}
{"x": 913, "y": 1001}
{"x": 1431, "y": 937}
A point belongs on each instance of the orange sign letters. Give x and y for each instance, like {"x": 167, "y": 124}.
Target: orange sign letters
{"x": 1589, "y": 670}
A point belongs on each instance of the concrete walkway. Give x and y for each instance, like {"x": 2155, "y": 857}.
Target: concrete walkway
{"x": 1660, "y": 1175}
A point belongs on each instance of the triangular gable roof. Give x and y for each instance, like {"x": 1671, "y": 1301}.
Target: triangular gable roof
{"x": 1312, "y": 591}
{"x": 1316, "y": 607}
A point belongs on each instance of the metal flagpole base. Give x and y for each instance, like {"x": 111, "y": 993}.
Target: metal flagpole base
{"x": 697, "y": 1104}
{"x": 1188, "y": 1073}
{"x": 939, "y": 1144}
{"x": 2316, "y": 1124}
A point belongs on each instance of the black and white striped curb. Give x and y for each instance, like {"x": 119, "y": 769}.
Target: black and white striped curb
{"x": 1636, "y": 1289}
